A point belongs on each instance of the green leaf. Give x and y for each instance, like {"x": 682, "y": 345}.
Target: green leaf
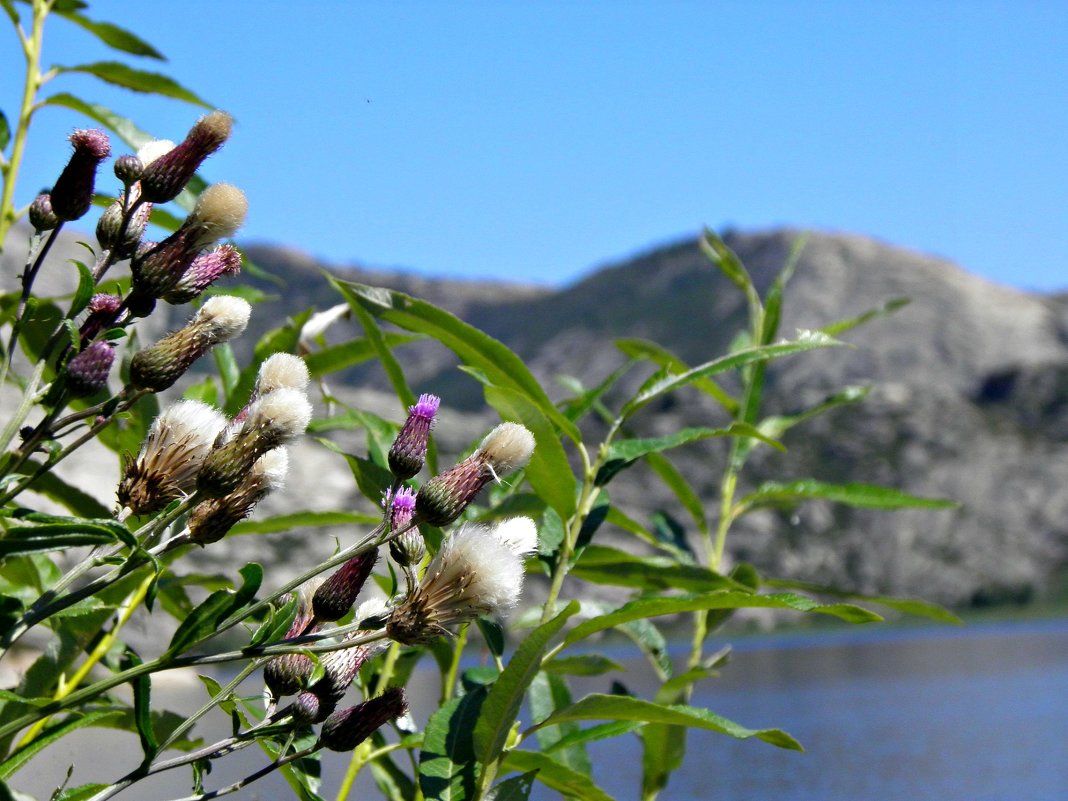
{"x": 602, "y": 731}
{"x": 229, "y": 373}
{"x": 806, "y": 341}
{"x": 516, "y": 788}
{"x": 603, "y": 565}
{"x": 677, "y": 483}
{"x": 295, "y": 520}
{"x": 659, "y": 355}
{"x": 339, "y": 357}
{"x": 54, "y": 536}
{"x": 80, "y": 793}
{"x": 119, "y": 74}
{"x": 448, "y": 770}
{"x": 377, "y": 340}
{"x": 582, "y": 665}
{"x": 569, "y": 783}
{"x": 9, "y": 9}
{"x": 506, "y": 696}
{"x": 716, "y": 251}
{"x": 886, "y": 309}
{"x": 548, "y": 693}
{"x": 49, "y": 735}
{"x": 620, "y": 707}
{"x": 910, "y": 606}
{"x": 654, "y": 607}
{"x": 203, "y": 621}
{"x": 5, "y": 131}
{"x": 125, "y": 129}
{"x": 371, "y": 478}
{"x": 113, "y": 36}
{"x": 475, "y": 348}
{"x": 142, "y": 696}
{"x": 866, "y": 496}
{"x": 778, "y": 425}
{"x": 548, "y": 471}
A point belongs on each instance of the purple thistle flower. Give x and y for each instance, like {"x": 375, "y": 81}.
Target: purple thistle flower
{"x": 203, "y": 272}
{"x": 87, "y": 372}
{"x": 103, "y": 312}
{"x": 408, "y": 452}
{"x": 400, "y": 506}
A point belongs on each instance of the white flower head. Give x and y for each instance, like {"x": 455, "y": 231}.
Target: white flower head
{"x": 220, "y": 210}
{"x": 518, "y": 533}
{"x": 473, "y": 574}
{"x": 280, "y": 415}
{"x": 507, "y": 447}
{"x": 281, "y": 371}
{"x": 152, "y": 150}
{"x": 223, "y": 317}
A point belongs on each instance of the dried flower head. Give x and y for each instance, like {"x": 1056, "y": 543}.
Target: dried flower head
{"x": 220, "y": 319}
{"x": 72, "y": 194}
{"x": 172, "y": 453}
{"x": 167, "y": 174}
{"x": 475, "y": 573}
{"x": 345, "y": 730}
{"x": 442, "y": 499}
{"x": 408, "y": 452}
{"x": 273, "y": 420}
{"x": 87, "y": 372}
{"x": 210, "y": 520}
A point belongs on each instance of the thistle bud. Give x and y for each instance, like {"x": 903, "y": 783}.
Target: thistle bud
{"x": 220, "y": 319}
{"x": 288, "y": 674}
{"x": 103, "y": 313}
{"x": 210, "y": 520}
{"x": 87, "y": 372}
{"x": 113, "y": 236}
{"x": 42, "y": 218}
{"x": 72, "y": 194}
{"x": 273, "y": 420}
{"x": 408, "y": 452}
{"x": 219, "y": 212}
{"x": 337, "y": 594}
{"x": 345, "y": 730}
{"x": 128, "y": 169}
{"x": 474, "y": 573}
{"x": 166, "y": 468}
{"x": 408, "y": 548}
{"x": 166, "y": 175}
{"x": 205, "y": 270}
{"x": 311, "y": 708}
{"x": 443, "y": 499}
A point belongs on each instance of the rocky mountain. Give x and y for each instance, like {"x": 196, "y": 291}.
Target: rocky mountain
{"x": 969, "y": 400}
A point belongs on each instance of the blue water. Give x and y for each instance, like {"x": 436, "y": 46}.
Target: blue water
{"x": 972, "y": 714}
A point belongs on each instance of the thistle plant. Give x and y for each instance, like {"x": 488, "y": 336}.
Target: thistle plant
{"x": 430, "y": 562}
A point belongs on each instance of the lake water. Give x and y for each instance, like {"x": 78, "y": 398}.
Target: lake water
{"x": 978, "y": 713}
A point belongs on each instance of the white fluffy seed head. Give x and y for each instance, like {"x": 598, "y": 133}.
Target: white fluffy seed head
{"x": 224, "y": 316}
{"x": 271, "y": 469}
{"x": 507, "y": 447}
{"x": 281, "y": 371}
{"x": 485, "y": 572}
{"x": 219, "y": 212}
{"x": 188, "y": 418}
{"x": 284, "y": 414}
{"x": 150, "y": 151}
{"x": 518, "y": 533}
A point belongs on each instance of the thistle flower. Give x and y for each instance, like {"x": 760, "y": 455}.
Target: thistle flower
{"x": 273, "y": 420}
{"x": 408, "y": 452}
{"x": 41, "y": 216}
{"x": 172, "y": 453}
{"x": 167, "y": 174}
{"x": 72, "y": 194}
{"x": 219, "y": 212}
{"x": 103, "y": 312}
{"x": 476, "y": 572}
{"x": 442, "y": 499}
{"x": 210, "y": 520}
{"x": 220, "y": 319}
{"x": 345, "y": 730}
{"x": 87, "y": 372}
{"x": 408, "y": 548}
{"x": 289, "y": 673}
{"x": 205, "y": 270}
{"x": 337, "y": 594}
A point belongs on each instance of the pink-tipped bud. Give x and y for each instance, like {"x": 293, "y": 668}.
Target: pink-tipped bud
{"x": 87, "y": 372}
{"x": 205, "y": 270}
{"x": 103, "y": 313}
{"x": 345, "y": 730}
{"x": 337, "y": 594}
{"x": 408, "y": 548}
{"x": 42, "y": 218}
{"x": 443, "y": 498}
{"x": 408, "y": 452}
{"x": 167, "y": 175}
{"x": 72, "y": 194}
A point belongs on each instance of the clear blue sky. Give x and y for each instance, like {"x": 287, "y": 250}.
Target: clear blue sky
{"x": 534, "y": 141}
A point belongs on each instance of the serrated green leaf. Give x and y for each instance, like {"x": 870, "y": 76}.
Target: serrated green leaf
{"x": 603, "y": 565}
{"x": 475, "y": 348}
{"x": 661, "y": 356}
{"x": 113, "y": 36}
{"x": 547, "y": 693}
{"x": 644, "y": 608}
{"x": 548, "y": 471}
{"x": 127, "y": 77}
{"x": 569, "y": 783}
{"x": 338, "y": 357}
{"x": 203, "y": 621}
{"x": 448, "y": 770}
{"x": 909, "y": 606}
{"x": 501, "y": 706}
{"x": 717, "y": 252}
{"x": 619, "y": 707}
{"x": 295, "y": 520}
{"x": 866, "y": 496}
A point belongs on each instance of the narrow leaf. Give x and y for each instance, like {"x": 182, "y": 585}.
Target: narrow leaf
{"x": 866, "y": 496}
{"x": 888, "y": 308}
{"x": 659, "y": 355}
{"x": 113, "y": 36}
{"x": 448, "y": 770}
{"x": 515, "y": 789}
{"x": 119, "y": 74}
{"x": 603, "y": 565}
{"x": 910, "y": 606}
{"x": 49, "y": 735}
{"x": 569, "y": 783}
{"x": 297, "y": 520}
